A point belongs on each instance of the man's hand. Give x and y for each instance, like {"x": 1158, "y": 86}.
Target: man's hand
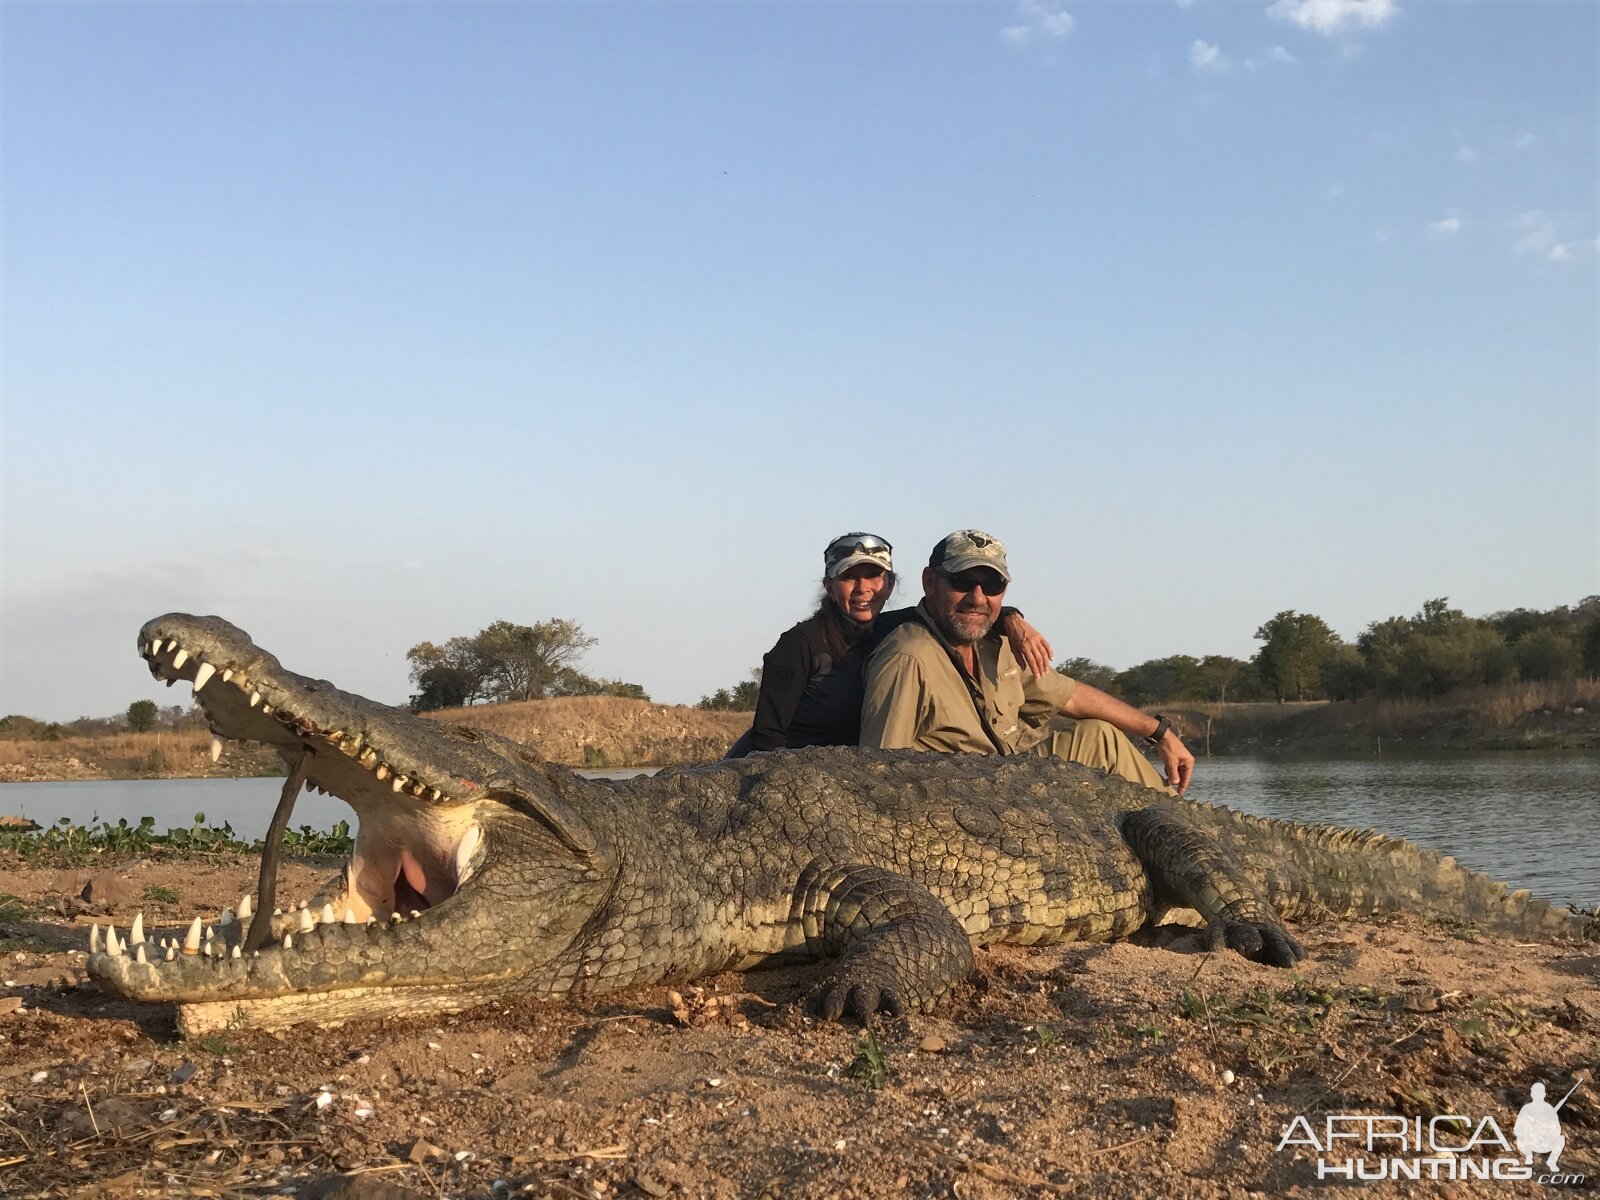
{"x": 1028, "y": 644}
{"x": 1176, "y": 761}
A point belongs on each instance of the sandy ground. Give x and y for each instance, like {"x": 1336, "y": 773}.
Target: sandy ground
{"x": 1075, "y": 1070}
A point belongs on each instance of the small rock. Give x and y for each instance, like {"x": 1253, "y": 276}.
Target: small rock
{"x": 39, "y": 1077}
{"x": 422, "y": 1151}
{"x": 184, "y": 1073}
{"x": 1227, "y": 1077}
{"x": 106, "y": 890}
{"x": 650, "y": 1185}
{"x": 9, "y": 1004}
{"x": 933, "y": 1044}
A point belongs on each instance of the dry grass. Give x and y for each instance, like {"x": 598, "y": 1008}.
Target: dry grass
{"x": 1565, "y": 712}
{"x": 160, "y": 752}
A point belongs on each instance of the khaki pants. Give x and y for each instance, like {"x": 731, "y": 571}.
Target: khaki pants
{"x": 1102, "y": 746}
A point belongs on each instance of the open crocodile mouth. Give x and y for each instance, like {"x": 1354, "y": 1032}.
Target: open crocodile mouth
{"x": 418, "y": 841}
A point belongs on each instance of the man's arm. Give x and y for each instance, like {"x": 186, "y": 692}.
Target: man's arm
{"x": 1091, "y": 703}
{"x": 892, "y": 709}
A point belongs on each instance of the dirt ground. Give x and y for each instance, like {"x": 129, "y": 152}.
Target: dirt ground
{"x": 1123, "y": 1070}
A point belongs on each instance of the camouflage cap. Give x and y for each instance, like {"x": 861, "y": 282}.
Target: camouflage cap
{"x": 967, "y": 548}
{"x": 852, "y": 549}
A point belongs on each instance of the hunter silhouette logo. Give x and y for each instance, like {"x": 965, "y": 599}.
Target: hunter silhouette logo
{"x": 1538, "y": 1128}
{"x": 1368, "y": 1147}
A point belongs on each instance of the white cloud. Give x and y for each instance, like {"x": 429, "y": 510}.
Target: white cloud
{"x": 1445, "y": 226}
{"x": 1203, "y": 56}
{"x": 1279, "y": 54}
{"x": 1039, "y": 19}
{"x": 1466, "y": 155}
{"x": 1537, "y": 234}
{"x": 1329, "y": 17}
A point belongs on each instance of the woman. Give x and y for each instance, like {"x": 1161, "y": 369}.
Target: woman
{"x": 812, "y": 679}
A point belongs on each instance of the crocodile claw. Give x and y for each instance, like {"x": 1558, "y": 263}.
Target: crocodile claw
{"x": 861, "y": 999}
{"x": 1257, "y": 940}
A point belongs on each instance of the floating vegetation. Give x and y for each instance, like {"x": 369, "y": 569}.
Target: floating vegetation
{"x": 67, "y": 844}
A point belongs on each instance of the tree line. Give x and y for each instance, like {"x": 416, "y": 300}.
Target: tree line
{"x": 1438, "y": 650}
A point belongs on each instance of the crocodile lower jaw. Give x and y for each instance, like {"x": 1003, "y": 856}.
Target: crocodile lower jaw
{"x": 327, "y": 1009}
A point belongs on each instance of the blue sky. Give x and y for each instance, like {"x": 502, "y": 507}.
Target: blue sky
{"x": 365, "y": 324}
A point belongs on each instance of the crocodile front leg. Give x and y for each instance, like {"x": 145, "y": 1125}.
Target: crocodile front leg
{"x": 898, "y": 947}
{"x": 1190, "y": 866}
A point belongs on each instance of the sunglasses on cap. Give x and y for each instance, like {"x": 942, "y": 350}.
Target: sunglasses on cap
{"x": 856, "y": 543}
{"x": 987, "y": 578}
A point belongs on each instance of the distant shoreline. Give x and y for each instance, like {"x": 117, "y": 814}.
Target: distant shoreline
{"x": 600, "y": 732}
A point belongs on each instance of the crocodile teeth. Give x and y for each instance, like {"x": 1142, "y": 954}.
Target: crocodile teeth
{"x": 191, "y": 940}
{"x": 246, "y": 907}
{"x": 255, "y": 698}
{"x": 136, "y": 934}
{"x": 216, "y": 749}
{"x": 178, "y": 659}
{"x": 203, "y": 674}
{"x": 138, "y": 953}
{"x": 368, "y": 757}
{"x": 288, "y": 942}
{"x": 237, "y": 953}
{"x": 434, "y": 794}
{"x": 113, "y": 947}
{"x": 170, "y": 954}
{"x": 227, "y": 674}
{"x": 399, "y": 784}
{"x": 327, "y": 915}
{"x": 266, "y": 708}
{"x": 307, "y": 921}
{"x": 94, "y": 938}
{"x": 172, "y": 644}
{"x": 350, "y": 917}
{"x": 464, "y": 852}
{"x": 226, "y": 916}
{"x": 381, "y": 771}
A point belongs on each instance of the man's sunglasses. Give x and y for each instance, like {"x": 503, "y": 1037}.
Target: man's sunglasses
{"x": 990, "y": 580}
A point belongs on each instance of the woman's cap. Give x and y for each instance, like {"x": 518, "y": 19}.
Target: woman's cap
{"x": 852, "y": 549}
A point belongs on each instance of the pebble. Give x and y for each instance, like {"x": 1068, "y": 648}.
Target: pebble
{"x": 1227, "y": 1076}
{"x": 39, "y": 1076}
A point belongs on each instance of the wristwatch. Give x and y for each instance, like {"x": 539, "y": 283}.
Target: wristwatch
{"x": 1160, "y": 731}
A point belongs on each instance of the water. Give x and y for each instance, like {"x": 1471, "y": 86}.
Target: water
{"x": 1527, "y": 818}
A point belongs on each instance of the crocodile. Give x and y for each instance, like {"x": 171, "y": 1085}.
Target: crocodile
{"x": 480, "y": 870}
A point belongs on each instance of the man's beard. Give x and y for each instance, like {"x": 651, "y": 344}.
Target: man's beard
{"x": 963, "y": 628}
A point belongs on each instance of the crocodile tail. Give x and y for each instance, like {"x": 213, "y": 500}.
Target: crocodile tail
{"x": 1316, "y": 871}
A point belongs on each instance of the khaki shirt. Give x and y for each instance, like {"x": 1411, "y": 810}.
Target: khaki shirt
{"x": 917, "y": 697}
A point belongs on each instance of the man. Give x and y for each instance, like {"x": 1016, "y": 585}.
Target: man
{"x": 947, "y": 681}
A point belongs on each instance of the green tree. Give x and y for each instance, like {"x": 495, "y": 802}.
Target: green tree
{"x": 523, "y": 662}
{"x": 1086, "y": 670}
{"x": 1296, "y": 648}
{"x": 570, "y": 682}
{"x": 501, "y": 662}
{"x": 1218, "y": 674}
{"x": 740, "y": 698}
{"x": 447, "y": 676}
{"x": 1546, "y": 654}
{"x": 142, "y": 716}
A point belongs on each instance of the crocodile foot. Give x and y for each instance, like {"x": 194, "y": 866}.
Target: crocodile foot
{"x": 1261, "y": 941}
{"x": 855, "y": 996}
